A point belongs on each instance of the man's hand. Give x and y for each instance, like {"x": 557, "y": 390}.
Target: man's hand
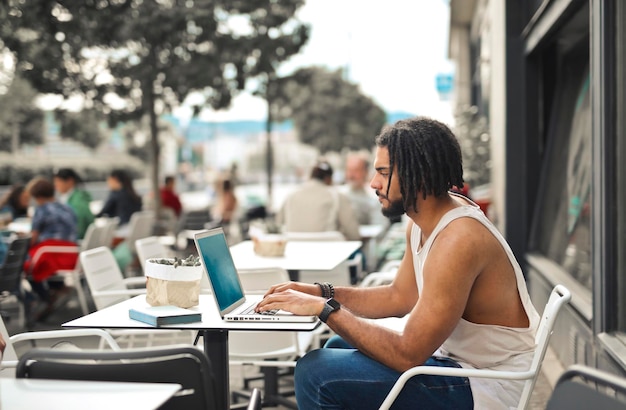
{"x": 290, "y": 300}
{"x": 298, "y": 286}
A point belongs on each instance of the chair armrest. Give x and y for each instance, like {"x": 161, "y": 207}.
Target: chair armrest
{"x": 450, "y": 371}
{"x": 64, "y": 334}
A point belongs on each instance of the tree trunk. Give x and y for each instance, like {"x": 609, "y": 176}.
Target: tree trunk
{"x": 269, "y": 154}
{"x": 154, "y": 157}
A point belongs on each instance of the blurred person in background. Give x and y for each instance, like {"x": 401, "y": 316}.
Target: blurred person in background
{"x": 226, "y": 203}
{"x": 68, "y": 185}
{"x": 122, "y": 201}
{"x": 317, "y": 206}
{"x": 16, "y": 202}
{"x": 169, "y": 197}
{"x": 53, "y": 224}
{"x": 363, "y": 198}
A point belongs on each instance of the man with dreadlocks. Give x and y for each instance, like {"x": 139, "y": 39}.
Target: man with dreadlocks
{"x": 459, "y": 285}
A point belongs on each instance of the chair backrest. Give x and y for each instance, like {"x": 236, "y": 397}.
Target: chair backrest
{"x": 11, "y": 269}
{"x": 106, "y": 235}
{"x": 582, "y": 387}
{"x": 141, "y": 225}
{"x": 103, "y": 273}
{"x": 184, "y": 365}
{"x": 150, "y": 247}
{"x": 258, "y": 281}
{"x": 559, "y": 297}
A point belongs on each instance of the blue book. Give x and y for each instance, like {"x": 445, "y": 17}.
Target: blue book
{"x": 164, "y": 315}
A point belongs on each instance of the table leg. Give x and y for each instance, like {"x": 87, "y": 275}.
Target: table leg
{"x": 216, "y": 349}
{"x": 294, "y": 275}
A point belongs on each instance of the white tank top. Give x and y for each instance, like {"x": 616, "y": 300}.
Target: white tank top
{"x": 485, "y": 346}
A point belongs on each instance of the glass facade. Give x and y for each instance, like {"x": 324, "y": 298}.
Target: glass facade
{"x": 562, "y": 228}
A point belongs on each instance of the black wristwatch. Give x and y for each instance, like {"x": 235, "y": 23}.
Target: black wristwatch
{"x": 331, "y": 306}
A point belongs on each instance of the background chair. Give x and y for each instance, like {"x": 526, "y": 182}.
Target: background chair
{"x": 27, "y": 340}
{"x": 558, "y": 298}
{"x": 108, "y": 286}
{"x": 184, "y": 365}
{"x": 11, "y": 291}
{"x": 75, "y": 277}
{"x": 582, "y": 387}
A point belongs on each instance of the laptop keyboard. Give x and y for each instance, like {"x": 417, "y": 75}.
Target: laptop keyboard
{"x": 250, "y": 311}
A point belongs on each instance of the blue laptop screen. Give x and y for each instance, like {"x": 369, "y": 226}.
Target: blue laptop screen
{"x": 215, "y": 253}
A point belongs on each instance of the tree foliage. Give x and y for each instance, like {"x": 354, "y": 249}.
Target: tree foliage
{"x": 472, "y": 130}
{"x": 328, "y": 112}
{"x": 134, "y": 58}
{"x": 20, "y": 121}
{"x": 83, "y": 127}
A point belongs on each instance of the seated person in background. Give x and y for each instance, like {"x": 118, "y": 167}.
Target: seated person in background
{"x": 16, "y": 202}
{"x": 68, "y": 186}
{"x": 317, "y": 206}
{"x": 458, "y": 282}
{"x": 122, "y": 201}
{"x": 53, "y": 224}
{"x": 225, "y": 204}
{"x": 169, "y": 198}
{"x": 363, "y": 198}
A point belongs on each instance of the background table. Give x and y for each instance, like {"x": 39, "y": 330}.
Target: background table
{"x": 78, "y": 394}
{"x": 299, "y": 255}
{"x": 214, "y": 331}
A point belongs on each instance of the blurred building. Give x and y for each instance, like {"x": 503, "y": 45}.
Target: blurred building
{"x": 549, "y": 76}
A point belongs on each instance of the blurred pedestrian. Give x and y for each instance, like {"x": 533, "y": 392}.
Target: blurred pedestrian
{"x": 225, "y": 207}
{"x": 69, "y": 186}
{"x": 122, "y": 201}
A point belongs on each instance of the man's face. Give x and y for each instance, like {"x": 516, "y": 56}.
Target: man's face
{"x": 392, "y": 203}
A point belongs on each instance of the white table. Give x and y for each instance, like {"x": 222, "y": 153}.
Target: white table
{"x": 78, "y": 394}
{"x": 299, "y": 255}
{"x": 213, "y": 328}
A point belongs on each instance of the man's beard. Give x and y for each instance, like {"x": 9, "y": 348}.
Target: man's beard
{"x": 395, "y": 208}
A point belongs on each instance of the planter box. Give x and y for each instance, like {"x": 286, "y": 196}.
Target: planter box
{"x": 169, "y": 285}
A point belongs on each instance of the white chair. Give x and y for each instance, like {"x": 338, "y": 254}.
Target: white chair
{"x": 340, "y": 275}
{"x": 267, "y": 350}
{"x": 15, "y": 343}
{"x": 73, "y": 277}
{"x": 108, "y": 233}
{"x": 140, "y": 225}
{"x": 149, "y": 248}
{"x": 558, "y": 298}
{"x": 108, "y": 286}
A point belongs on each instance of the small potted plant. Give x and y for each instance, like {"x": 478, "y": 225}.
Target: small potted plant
{"x": 173, "y": 281}
{"x": 268, "y": 239}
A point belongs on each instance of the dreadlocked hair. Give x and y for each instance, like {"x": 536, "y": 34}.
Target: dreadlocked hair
{"x": 426, "y": 155}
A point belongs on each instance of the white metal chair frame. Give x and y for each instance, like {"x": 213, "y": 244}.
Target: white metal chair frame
{"x": 559, "y": 296}
{"x": 108, "y": 286}
{"x": 10, "y": 357}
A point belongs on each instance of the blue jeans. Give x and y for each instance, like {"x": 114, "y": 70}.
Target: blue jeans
{"x": 341, "y": 377}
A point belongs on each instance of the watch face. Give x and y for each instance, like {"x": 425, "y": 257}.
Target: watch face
{"x": 333, "y": 303}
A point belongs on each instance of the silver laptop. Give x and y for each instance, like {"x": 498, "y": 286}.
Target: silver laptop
{"x": 224, "y": 279}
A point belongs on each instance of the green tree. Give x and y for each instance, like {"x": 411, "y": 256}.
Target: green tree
{"x": 21, "y": 122}
{"x": 328, "y": 112}
{"x": 83, "y": 127}
{"x": 148, "y": 55}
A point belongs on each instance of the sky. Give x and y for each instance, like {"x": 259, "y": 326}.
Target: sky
{"x": 393, "y": 50}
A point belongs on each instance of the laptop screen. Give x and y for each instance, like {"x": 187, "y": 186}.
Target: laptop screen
{"x": 216, "y": 258}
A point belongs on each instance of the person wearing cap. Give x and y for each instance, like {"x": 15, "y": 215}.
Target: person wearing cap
{"x": 317, "y": 206}
{"x": 68, "y": 185}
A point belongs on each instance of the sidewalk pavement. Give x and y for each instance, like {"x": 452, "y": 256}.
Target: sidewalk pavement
{"x": 550, "y": 370}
